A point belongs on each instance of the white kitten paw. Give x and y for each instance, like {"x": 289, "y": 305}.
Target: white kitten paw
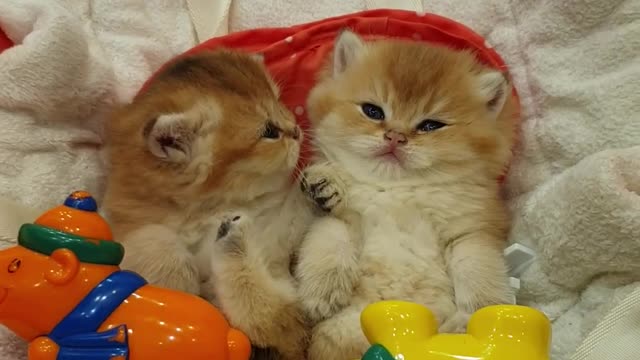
{"x": 456, "y": 323}
{"x": 231, "y": 233}
{"x": 320, "y": 309}
{"x": 322, "y": 302}
{"x": 323, "y": 187}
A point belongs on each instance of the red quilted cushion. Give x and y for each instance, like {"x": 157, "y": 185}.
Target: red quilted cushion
{"x": 5, "y": 42}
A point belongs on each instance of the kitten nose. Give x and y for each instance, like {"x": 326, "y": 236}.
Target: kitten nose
{"x": 395, "y": 137}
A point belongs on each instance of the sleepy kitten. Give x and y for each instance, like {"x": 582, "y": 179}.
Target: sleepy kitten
{"x": 204, "y": 155}
{"x": 411, "y": 139}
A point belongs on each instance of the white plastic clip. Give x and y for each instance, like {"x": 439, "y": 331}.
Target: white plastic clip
{"x": 518, "y": 257}
{"x": 515, "y": 284}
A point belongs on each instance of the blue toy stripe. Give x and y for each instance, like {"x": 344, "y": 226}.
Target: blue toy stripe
{"x": 91, "y": 354}
{"x": 105, "y": 345}
{"x": 96, "y": 307}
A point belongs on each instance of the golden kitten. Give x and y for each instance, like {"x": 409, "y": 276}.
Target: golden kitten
{"x": 200, "y": 191}
{"x": 411, "y": 139}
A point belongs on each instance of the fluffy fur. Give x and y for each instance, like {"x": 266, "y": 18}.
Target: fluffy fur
{"x": 413, "y": 210}
{"x": 200, "y": 192}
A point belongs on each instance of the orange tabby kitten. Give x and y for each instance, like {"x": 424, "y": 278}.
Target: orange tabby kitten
{"x": 200, "y": 190}
{"x": 411, "y": 139}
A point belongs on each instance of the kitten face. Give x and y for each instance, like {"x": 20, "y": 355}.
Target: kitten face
{"x": 392, "y": 109}
{"x": 209, "y": 122}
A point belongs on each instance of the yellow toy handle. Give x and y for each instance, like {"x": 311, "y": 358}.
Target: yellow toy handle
{"x": 379, "y": 318}
{"x": 511, "y": 330}
{"x": 399, "y": 329}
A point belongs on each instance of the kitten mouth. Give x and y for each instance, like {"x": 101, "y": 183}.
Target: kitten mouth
{"x": 391, "y": 155}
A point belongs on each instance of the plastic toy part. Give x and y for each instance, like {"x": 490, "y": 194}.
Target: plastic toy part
{"x": 77, "y": 216}
{"x": 61, "y": 289}
{"x": 408, "y": 331}
{"x": 519, "y": 257}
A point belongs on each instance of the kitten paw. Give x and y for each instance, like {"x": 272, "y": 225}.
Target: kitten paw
{"x": 323, "y": 188}
{"x": 231, "y": 233}
{"x": 321, "y": 309}
{"x": 322, "y": 303}
{"x": 286, "y": 335}
{"x": 456, "y": 323}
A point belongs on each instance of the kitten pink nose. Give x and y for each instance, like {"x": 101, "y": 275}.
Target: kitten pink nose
{"x": 395, "y": 138}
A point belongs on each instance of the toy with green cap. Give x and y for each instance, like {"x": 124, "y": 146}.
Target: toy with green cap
{"x": 77, "y": 226}
{"x": 62, "y": 291}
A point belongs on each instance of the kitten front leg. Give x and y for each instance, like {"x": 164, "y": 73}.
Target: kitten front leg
{"x": 157, "y": 254}
{"x": 265, "y": 308}
{"x": 231, "y": 235}
{"x": 324, "y": 186}
{"x": 339, "y": 337}
{"x": 327, "y": 269}
{"x": 480, "y": 277}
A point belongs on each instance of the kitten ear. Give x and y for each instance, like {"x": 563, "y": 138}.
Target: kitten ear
{"x": 169, "y": 137}
{"x": 493, "y": 87}
{"x": 347, "y": 48}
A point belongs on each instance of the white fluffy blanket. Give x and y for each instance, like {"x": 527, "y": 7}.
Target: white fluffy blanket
{"x": 72, "y": 62}
{"x": 574, "y": 189}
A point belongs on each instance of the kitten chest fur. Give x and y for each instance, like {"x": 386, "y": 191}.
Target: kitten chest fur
{"x": 405, "y": 231}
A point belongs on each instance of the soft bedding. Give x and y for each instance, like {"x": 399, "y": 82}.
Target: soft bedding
{"x": 574, "y": 188}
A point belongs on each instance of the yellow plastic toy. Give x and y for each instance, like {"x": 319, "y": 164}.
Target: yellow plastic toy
{"x": 408, "y": 331}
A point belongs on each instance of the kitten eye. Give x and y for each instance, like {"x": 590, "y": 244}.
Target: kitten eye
{"x": 430, "y": 125}
{"x": 373, "y": 112}
{"x": 271, "y": 132}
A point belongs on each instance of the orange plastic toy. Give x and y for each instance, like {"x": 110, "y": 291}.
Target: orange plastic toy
{"x": 61, "y": 289}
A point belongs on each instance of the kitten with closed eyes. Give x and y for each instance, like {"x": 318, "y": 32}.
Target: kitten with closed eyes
{"x": 411, "y": 139}
{"x": 200, "y": 192}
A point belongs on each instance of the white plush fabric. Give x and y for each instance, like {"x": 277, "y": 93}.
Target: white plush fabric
{"x": 615, "y": 337}
{"x": 574, "y": 188}
{"x": 72, "y": 63}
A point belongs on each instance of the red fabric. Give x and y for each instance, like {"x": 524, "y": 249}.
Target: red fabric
{"x": 293, "y": 55}
{"x": 5, "y": 42}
